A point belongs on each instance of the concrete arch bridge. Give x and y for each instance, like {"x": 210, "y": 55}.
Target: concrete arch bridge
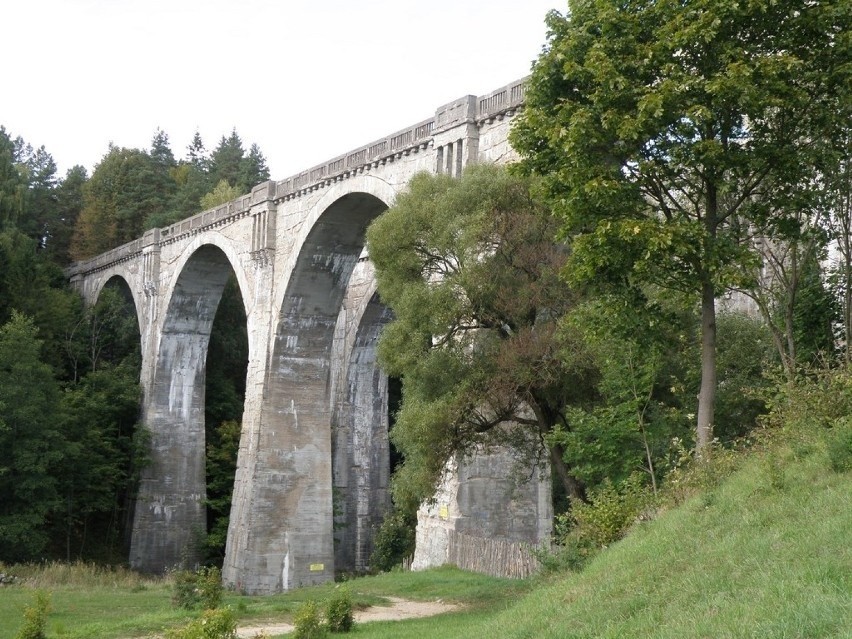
{"x": 315, "y": 414}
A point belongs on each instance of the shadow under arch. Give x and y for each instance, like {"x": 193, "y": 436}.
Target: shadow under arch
{"x": 280, "y": 534}
{"x": 170, "y": 518}
{"x": 362, "y": 450}
{"x": 118, "y": 283}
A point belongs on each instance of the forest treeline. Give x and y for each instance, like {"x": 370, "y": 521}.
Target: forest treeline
{"x": 71, "y": 446}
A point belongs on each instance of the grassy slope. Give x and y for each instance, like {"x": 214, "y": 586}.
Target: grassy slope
{"x": 767, "y": 554}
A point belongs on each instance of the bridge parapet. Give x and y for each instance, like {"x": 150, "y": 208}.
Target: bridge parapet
{"x": 419, "y": 137}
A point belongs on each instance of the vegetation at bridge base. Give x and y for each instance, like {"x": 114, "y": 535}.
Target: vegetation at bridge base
{"x": 753, "y": 542}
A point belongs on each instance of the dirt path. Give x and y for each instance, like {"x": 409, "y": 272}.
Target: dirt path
{"x": 399, "y": 609}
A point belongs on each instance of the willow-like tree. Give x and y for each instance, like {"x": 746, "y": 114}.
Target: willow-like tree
{"x": 471, "y": 270}
{"x": 667, "y": 130}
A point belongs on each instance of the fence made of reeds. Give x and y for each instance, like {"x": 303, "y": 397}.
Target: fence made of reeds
{"x": 491, "y": 556}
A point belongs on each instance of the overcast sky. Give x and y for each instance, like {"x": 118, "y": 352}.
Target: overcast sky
{"x": 305, "y": 80}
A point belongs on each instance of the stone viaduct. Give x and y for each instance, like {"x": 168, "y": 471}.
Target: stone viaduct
{"x": 315, "y": 415}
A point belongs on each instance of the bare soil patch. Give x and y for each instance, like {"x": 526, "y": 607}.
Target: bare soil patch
{"x": 397, "y": 610}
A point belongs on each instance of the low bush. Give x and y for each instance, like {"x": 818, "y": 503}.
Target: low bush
{"x": 839, "y": 445}
{"x": 338, "y": 611}
{"x": 201, "y": 588}
{"x": 35, "y": 617}
{"x": 213, "y": 624}
{"x": 308, "y": 622}
{"x": 394, "y": 542}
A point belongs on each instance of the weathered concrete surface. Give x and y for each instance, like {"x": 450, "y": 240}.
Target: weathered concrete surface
{"x": 361, "y": 450}
{"x": 293, "y": 246}
{"x": 492, "y": 495}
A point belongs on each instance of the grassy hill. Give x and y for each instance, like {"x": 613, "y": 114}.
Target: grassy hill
{"x": 767, "y": 553}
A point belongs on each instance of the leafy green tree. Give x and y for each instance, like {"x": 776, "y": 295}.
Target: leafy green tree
{"x": 221, "y": 194}
{"x": 101, "y": 408}
{"x": 230, "y": 163}
{"x": 192, "y": 177}
{"x": 639, "y": 404}
{"x": 36, "y": 287}
{"x": 96, "y": 472}
{"x": 69, "y": 203}
{"x": 745, "y": 357}
{"x": 197, "y": 154}
{"x": 31, "y": 443}
{"x": 38, "y": 169}
{"x": 666, "y": 131}
{"x": 471, "y": 270}
{"x": 128, "y": 189}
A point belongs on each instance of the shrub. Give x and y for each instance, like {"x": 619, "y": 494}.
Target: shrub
{"x": 688, "y": 476}
{"x": 839, "y": 445}
{"x": 609, "y": 512}
{"x": 308, "y": 622}
{"x": 338, "y": 611}
{"x": 35, "y": 617}
{"x": 199, "y": 589}
{"x": 394, "y": 542}
{"x": 213, "y": 624}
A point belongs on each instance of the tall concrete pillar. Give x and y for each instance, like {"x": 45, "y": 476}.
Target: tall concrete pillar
{"x": 281, "y": 534}
{"x": 170, "y": 518}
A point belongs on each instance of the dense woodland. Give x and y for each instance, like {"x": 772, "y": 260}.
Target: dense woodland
{"x": 69, "y": 375}
{"x": 679, "y": 165}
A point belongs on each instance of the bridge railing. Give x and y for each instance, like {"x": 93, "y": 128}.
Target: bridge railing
{"x": 375, "y": 151}
{"x": 506, "y": 98}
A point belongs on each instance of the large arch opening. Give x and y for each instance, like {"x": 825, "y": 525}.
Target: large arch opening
{"x": 285, "y": 539}
{"x": 365, "y": 403}
{"x": 225, "y": 392}
{"x": 170, "y": 524}
{"x": 103, "y": 397}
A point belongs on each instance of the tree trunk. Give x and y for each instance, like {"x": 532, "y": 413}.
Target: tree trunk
{"x": 707, "y": 393}
{"x": 573, "y": 487}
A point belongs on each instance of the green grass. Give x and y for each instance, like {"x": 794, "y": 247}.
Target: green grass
{"x": 766, "y": 553}
{"x": 125, "y": 606}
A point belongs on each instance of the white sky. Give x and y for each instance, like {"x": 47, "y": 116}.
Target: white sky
{"x": 306, "y": 80}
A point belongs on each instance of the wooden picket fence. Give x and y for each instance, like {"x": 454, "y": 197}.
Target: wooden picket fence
{"x": 490, "y": 556}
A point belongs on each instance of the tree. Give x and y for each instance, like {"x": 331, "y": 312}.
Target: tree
{"x": 192, "y": 177}
{"x": 38, "y": 170}
{"x": 471, "y": 271}
{"x": 127, "y": 188}
{"x": 253, "y": 169}
{"x": 219, "y": 195}
{"x": 667, "y": 131}
{"x": 226, "y": 160}
{"x": 30, "y": 441}
{"x": 69, "y": 203}
{"x": 13, "y": 186}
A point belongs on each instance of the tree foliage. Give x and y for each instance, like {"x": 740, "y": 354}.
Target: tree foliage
{"x": 471, "y": 270}
{"x": 31, "y": 442}
{"x": 667, "y": 131}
